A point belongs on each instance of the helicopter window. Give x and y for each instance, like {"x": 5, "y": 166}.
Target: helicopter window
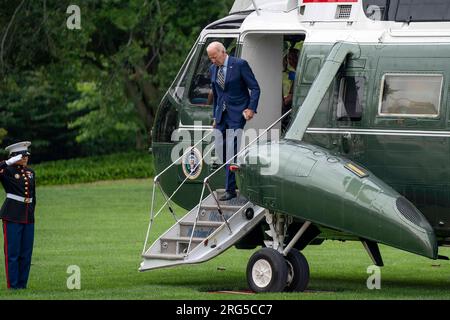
{"x": 411, "y": 95}
{"x": 178, "y": 86}
{"x": 407, "y": 10}
{"x": 411, "y": 10}
{"x": 351, "y": 95}
{"x": 166, "y": 123}
{"x": 200, "y": 90}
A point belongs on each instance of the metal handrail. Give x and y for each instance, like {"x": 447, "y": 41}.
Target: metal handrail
{"x": 156, "y": 182}
{"x": 205, "y": 181}
{"x": 182, "y": 183}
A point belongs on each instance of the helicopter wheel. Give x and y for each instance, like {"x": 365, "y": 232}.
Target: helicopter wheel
{"x": 267, "y": 271}
{"x": 298, "y": 271}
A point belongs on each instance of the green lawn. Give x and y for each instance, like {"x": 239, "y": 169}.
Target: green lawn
{"x": 100, "y": 227}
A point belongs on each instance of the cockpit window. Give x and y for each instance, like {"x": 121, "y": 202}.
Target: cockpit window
{"x": 416, "y": 95}
{"x": 200, "y": 92}
{"x": 178, "y": 86}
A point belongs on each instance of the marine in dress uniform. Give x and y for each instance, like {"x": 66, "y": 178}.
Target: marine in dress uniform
{"x": 17, "y": 214}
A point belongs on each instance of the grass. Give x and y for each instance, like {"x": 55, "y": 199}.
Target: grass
{"x": 100, "y": 227}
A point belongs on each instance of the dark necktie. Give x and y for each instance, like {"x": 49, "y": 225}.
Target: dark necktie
{"x": 221, "y": 78}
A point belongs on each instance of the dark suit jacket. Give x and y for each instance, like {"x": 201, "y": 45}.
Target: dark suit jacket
{"x": 239, "y": 80}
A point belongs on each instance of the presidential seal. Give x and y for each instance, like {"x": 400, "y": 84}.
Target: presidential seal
{"x": 192, "y": 164}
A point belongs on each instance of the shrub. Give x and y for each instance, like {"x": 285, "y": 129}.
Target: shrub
{"x": 131, "y": 165}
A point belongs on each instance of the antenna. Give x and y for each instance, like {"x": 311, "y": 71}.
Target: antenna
{"x": 256, "y": 7}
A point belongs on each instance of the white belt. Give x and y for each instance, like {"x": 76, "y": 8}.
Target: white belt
{"x": 19, "y": 198}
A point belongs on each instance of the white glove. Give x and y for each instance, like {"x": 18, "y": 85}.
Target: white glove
{"x": 14, "y": 159}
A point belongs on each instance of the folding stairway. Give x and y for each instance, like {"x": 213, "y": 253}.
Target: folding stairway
{"x": 210, "y": 234}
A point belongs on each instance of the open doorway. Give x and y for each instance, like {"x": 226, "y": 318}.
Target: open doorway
{"x": 273, "y": 59}
{"x": 292, "y": 47}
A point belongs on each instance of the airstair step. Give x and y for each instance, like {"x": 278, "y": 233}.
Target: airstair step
{"x": 223, "y": 207}
{"x": 237, "y": 201}
{"x": 202, "y": 223}
{"x": 163, "y": 256}
{"x": 210, "y": 213}
{"x": 203, "y": 228}
{"x": 179, "y": 245}
{"x": 184, "y": 239}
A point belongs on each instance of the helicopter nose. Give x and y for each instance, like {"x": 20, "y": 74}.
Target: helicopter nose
{"x": 313, "y": 184}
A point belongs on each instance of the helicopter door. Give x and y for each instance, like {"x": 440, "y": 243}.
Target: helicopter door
{"x": 198, "y": 99}
{"x": 264, "y": 53}
{"x": 196, "y": 114}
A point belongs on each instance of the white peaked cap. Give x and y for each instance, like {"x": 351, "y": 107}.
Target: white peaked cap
{"x": 18, "y": 147}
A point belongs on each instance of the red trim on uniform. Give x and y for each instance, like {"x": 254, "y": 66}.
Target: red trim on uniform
{"x": 5, "y": 243}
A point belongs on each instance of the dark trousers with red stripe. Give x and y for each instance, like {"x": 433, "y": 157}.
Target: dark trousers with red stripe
{"x": 18, "y": 246}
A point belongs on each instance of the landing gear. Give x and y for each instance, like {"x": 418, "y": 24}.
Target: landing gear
{"x": 298, "y": 271}
{"x": 267, "y": 271}
{"x": 278, "y": 268}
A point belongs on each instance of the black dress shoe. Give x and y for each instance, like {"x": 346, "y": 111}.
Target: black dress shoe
{"x": 227, "y": 196}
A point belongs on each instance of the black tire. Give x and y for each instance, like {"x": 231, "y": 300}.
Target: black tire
{"x": 299, "y": 269}
{"x": 272, "y": 259}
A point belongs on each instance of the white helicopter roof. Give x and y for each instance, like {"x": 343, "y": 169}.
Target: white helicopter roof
{"x": 247, "y": 5}
{"x": 337, "y": 20}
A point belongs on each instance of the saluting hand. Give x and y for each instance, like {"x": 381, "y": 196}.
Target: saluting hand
{"x": 14, "y": 159}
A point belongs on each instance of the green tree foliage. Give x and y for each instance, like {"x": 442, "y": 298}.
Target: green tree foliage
{"x": 33, "y": 108}
{"x": 94, "y": 89}
{"x": 3, "y": 133}
{"x": 102, "y": 120}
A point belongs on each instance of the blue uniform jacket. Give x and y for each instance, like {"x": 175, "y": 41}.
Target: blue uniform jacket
{"x": 20, "y": 181}
{"x": 239, "y": 80}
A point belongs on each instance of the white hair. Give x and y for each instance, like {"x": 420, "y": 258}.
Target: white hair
{"x": 216, "y": 45}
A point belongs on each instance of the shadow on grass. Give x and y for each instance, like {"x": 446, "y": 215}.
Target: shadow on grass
{"x": 207, "y": 282}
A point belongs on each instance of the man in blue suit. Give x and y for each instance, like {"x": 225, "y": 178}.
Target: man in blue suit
{"x": 231, "y": 80}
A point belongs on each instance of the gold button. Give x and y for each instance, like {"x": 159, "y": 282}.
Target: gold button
{"x": 26, "y": 182}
